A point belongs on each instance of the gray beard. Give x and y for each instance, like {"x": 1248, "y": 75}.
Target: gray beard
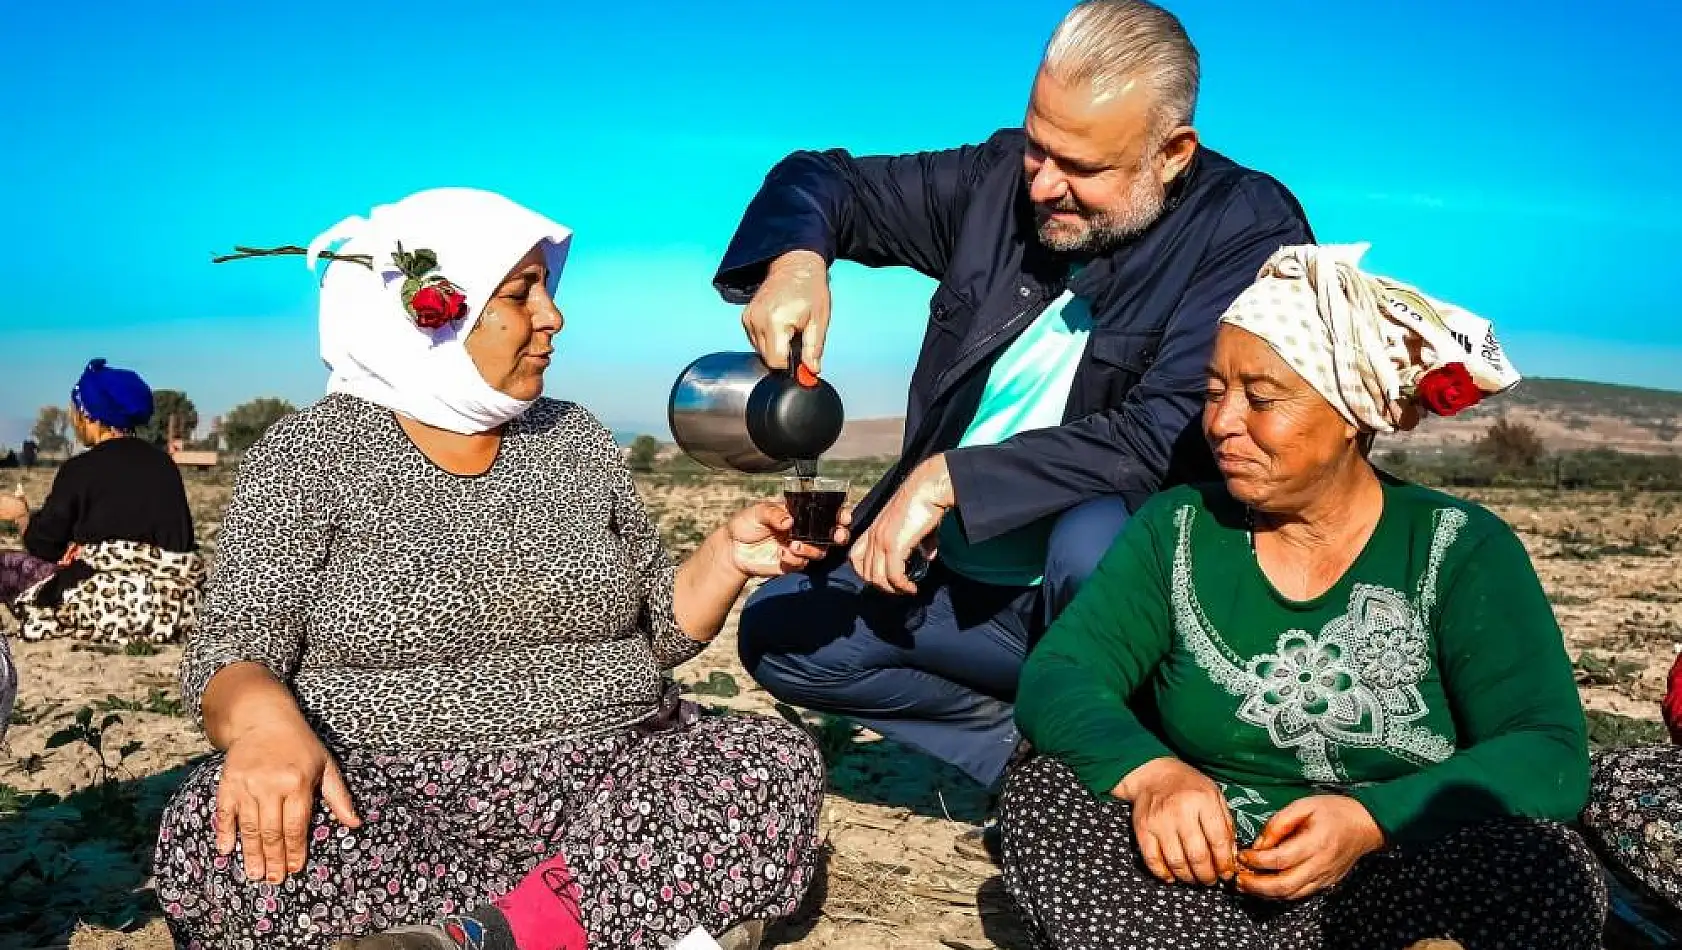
{"x": 1110, "y": 229}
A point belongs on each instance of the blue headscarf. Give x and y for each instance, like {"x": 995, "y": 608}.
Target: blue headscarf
{"x": 115, "y": 397}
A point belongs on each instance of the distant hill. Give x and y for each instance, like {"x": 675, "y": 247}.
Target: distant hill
{"x": 869, "y": 438}
{"x": 1568, "y": 414}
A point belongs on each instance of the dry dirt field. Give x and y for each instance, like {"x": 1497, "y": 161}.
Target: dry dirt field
{"x": 1612, "y": 564}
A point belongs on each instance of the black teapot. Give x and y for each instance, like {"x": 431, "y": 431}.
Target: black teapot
{"x": 731, "y": 412}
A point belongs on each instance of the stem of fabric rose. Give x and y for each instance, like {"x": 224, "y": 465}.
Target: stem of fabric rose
{"x": 290, "y": 250}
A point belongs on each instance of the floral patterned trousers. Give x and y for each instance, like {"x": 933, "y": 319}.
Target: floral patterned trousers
{"x": 1634, "y": 816}
{"x": 19, "y": 571}
{"x": 707, "y": 824}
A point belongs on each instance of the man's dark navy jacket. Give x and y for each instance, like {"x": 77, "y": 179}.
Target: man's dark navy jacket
{"x": 963, "y": 217}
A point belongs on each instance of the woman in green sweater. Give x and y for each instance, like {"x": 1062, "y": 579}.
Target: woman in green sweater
{"x": 1312, "y": 705}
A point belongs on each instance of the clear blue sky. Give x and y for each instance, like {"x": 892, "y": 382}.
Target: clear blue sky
{"x": 1518, "y": 159}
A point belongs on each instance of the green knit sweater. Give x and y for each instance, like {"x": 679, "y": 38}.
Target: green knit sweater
{"x": 1430, "y": 683}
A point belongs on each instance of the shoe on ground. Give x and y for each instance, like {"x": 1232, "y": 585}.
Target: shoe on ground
{"x": 743, "y": 936}
{"x": 417, "y": 937}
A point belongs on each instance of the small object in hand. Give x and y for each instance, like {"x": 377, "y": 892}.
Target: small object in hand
{"x": 815, "y": 504}
{"x": 917, "y": 566}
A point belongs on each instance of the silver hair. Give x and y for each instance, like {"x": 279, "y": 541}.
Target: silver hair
{"x": 1105, "y": 44}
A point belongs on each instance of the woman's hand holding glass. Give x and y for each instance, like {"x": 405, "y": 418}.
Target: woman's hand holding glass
{"x": 762, "y": 542}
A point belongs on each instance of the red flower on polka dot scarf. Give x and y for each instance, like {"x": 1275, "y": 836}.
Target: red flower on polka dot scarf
{"x": 1448, "y": 389}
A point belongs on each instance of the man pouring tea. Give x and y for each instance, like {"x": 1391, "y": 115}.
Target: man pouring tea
{"x": 1083, "y": 261}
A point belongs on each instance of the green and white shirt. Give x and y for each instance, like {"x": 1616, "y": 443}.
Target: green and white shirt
{"x": 1430, "y": 683}
{"x": 1027, "y": 388}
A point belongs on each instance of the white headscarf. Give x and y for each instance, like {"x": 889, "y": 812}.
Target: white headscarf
{"x": 1363, "y": 341}
{"x": 368, "y": 340}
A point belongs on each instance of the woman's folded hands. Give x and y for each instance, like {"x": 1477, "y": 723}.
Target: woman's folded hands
{"x": 1185, "y": 834}
{"x": 1308, "y": 847}
{"x": 1181, "y": 823}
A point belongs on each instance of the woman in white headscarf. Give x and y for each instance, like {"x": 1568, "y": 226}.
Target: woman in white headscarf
{"x": 433, "y": 650}
{"x": 1366, "y": 731}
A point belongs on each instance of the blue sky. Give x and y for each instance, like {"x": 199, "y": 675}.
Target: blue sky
{"x": 1515, "y": 159}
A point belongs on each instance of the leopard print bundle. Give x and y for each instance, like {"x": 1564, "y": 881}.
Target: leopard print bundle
{"x": 139, "y": 593}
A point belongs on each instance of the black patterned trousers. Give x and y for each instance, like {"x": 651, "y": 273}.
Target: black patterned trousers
{"x": 1072, "y": 866}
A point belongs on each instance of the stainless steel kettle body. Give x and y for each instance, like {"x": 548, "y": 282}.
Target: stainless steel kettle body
{"x": 731, "y": 412}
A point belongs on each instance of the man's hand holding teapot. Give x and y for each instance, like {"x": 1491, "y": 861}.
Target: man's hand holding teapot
{"x": 792, "y": 301}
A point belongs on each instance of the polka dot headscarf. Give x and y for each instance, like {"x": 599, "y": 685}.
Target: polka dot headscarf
{"x": 1363, "y": 341}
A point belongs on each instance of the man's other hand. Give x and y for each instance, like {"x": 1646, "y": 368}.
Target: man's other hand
{"x": 912, "y": 514}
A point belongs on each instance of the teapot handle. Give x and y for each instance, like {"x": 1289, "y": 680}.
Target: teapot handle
{"x": 805, "y": 377}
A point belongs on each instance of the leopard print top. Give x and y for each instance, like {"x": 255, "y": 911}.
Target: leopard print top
{"x": 409, "y": 608}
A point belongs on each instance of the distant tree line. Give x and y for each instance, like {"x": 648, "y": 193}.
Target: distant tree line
{"x": 52, "y": 430}
{"x": 173, "y": 413}
{"x": 245, "y": 424}
{"x": 642, "y": 454}
{"x": 1507, "y": 454}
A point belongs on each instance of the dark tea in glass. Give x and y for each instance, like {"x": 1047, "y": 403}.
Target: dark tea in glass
{"x": 816, "y": 505}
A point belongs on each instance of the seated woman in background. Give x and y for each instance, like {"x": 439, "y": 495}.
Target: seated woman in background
{"x": 1634, "y": 815}
{"x": 110, "y": 555}
{"x": 435, "y": 644}
{"x": 1368, "y": 733}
